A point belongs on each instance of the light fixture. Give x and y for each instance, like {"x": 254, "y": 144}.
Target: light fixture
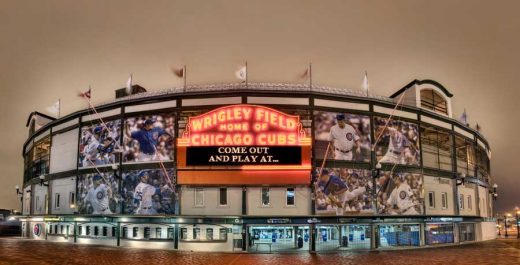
{"x": 42, "y": 181}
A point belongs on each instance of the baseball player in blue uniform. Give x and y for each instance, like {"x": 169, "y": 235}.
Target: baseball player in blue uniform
{"x": 337, "y": 191}
{"x": 148, "y": 138}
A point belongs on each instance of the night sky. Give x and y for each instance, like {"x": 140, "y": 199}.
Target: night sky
{"x": 54, "y": 49}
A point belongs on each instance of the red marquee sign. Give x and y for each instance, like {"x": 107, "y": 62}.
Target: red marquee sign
{"x": 253, "y": 144}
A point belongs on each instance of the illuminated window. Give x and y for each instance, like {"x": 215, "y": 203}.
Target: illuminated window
{"x": 222, "y": 196}
{"x": 57, "y": 201}
{"x": 265, "y": 197}
{"x": 461, "y": 201}
{"x": 209, "y": 233}
{"x": 444, "y": 198}
{"x": 72, "y": 199}
{"x": 184, "y": 233}
{"x": 196, "y": 233}
{"x": 199, "y": 197}
{"x": 223, "y": 234}
{"x": 431, "y": 199}
{"x": 290, "y": 197}
{"x": 434, "y": 101}
{"x": 147, "y": 232}
{"x": 465, "y": 152}
{"x": 437, "y": 148}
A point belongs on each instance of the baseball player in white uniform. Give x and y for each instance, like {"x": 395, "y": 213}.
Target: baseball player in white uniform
{"x": 401, "y": 198}
{"x": 344, "y": 138}
{"x": 91, "y": 149}
{"x": 98, "y": 196}
{"x": 143, "y": 195}
{"x": 396, "y": 146}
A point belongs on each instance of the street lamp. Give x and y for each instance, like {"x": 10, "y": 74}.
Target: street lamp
{"x": 517, "y": 211}
{"x": 505, "y": 223}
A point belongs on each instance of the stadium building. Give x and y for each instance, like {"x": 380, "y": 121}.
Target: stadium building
{"x": 259, "y": 167}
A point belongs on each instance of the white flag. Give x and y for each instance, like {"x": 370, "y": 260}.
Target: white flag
{"x": 129, "y": 85}
{"x": 241, "y": 73}
{"x": 365, "y": 83}
{"x": 54, "y": 108}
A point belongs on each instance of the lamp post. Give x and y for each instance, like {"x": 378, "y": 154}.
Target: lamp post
{"x": 517, "y": 211}
{"x": 505, "y": 223}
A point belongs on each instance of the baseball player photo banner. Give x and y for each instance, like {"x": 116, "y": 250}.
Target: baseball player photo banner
{"x": 98, "y": 194}
{"x": 341, "y": 191}
{"x": 149, "y": 138}
{"x": 98, "y": 144}
{"x": 347, "y": 134}
{"x": 398, "y": 142}
{"x": 148, "y": 192}
{"x": 400, "y": 194}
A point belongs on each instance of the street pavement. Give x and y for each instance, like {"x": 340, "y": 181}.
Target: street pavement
{"x": 23, "y": 251}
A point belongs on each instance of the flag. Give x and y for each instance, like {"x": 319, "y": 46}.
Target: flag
{"x": 129, "y": 85}
{"x": 86, "y": 94}
{"x": 305, "y": 74}
{"x": 464, "y": 118}
{"x": 478, "y": 127}
{"x": 54, "y": 108}
{"x": 241, "y": 73}
{"x": 365, "y": 83}
{"x": 178, "y": 72}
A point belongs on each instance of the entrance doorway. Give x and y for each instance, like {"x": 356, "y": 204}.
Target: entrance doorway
{"x": 278, "y": 238}
{"x": 343, "y": 237}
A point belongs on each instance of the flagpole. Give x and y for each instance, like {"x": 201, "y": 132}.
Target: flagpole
{"x": 310, "y": 76}
{"x": 59, "y": 108}
{"x": 246, "y": 73}
{"x": 366, "y": 76}
{"x": 184, "y": 75}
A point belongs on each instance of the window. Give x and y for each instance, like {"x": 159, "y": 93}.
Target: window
{"x": 88, "y": 230}
{"x": 80, "y": 230}
{"x": 223, "y": 234}
{"x": 265, "y": 197}
{"x": 147, "y": 232}
{"x": 461, "y": 201}
{"x": 469, "y": 202}
{"x": 209, "y": 233}
{"x": 223, "y": 196}
{"x": 50, "y": 229}
{"x": 96, "y": 230}
{"x": 37, "y": 202}
{"x": 184, "y": 233}
{"x": 61, "y": 230}
{"x": 113, "y": 231}
{"x": 56, "y": 229}
{"x": 444, "y": 198}
{"x": 289, "y": 195}
{"x": 437, "y": 148}
{"x": 199, "y": 197}
{"x": 135, "y": 231}
{"x": 434, "y": 101}
{"x": 158, "y": 232}
{"x": 465, "y": 152}
{"x": 125, "y": 232}
{"x": 72, "y": 199}
{"x": 170, "y": 233}
{"x": 431, "y": 199}
{"x": 57, "y": 201}
{"x": 196, "y": 233}
{"x": 105, "y": 231}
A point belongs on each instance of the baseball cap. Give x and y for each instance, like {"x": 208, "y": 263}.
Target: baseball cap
{"x": 98, "y": 129}
{"x": 142, "y": 173}
{"x": 149, "y": 122}
{"x": 96, "y": 177}
{"x": 340, "y": 117}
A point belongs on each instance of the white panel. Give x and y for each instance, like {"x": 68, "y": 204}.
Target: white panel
{"x": 340, "y": 105}
{"x": 103, "y": 114}
{"x": 278, "y": 100}
{"x": 63, "y": 187}
{"x": 436, "y": 122}
{"x": 65, "y": 125}
{"x": 464, "y": 132}
{"x": 226, "y": 246}
{"x": 277, "y": 198}
{"x": 42, "y": 135}
{"x": 468, "y": 190}
{"x": 26, "y": 201}
{"x": 39, "y": 199}
{"x": 399, "y": 113}
{"x": 64, "y": 151}
{"x": 439, "y": 186}
{"x": 489, "y": 230}
{"x": 151, "y": 106}
{"x": 211, "y": 101}
{"x": 211, "y": 202}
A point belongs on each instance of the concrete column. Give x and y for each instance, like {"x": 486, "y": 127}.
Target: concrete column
{"x": 295, "y": 237}
{"x": 312, "y": 238}
{"x": 422, "y": 234}
{"x": 374, "y": 242}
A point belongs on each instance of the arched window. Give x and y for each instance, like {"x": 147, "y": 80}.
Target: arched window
{"x": 434, "y": 101}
